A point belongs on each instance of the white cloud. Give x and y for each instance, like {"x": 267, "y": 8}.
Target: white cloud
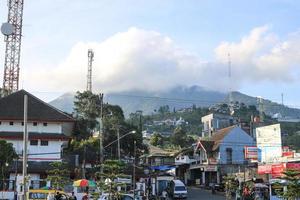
{"x": 148, "y": 60}
{"x": 261, "y": 55}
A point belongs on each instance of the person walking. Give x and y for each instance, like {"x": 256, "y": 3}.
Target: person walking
{"x": 73, "y": 197}
{"x": 85, "y": 196}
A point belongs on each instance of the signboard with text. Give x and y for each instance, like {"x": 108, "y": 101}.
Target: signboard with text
{"x": 268, "y": 139}
{"x": 251, "y": 153}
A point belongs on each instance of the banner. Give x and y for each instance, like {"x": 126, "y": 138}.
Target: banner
{"x": 295, "y": 166}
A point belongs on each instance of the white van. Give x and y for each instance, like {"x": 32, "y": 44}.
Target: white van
{"x": 177, "y": 190}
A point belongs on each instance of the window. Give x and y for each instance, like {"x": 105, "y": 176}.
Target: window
{"x": 33, "y": 142}
{"x": 11, "y": 123}
{"x": 44, "y": 142}
{"x": 229, "y": 155}
{"x": 34, "y": 123}
{"x": 45, "y": 124}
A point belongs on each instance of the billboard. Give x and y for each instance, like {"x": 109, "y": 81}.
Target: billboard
{"x": 268, "y": 141}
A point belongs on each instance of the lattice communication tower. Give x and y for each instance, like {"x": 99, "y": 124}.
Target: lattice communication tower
{"x": 12, "y": 31}
{"x": 90, "y": 66}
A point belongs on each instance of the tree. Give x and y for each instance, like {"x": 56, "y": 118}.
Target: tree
{"x": 58, "y": 175}
{"x": 180, "y": 138}
{"x": 164, "y": 109}
{"x": 293, "y": 185}
{"x": 156, "y": 139}
{"x": 107, "y": 181}
{"x": 87, "y": 109}
{"x": 231, "y": 185}
{"x": 7, "y": 156}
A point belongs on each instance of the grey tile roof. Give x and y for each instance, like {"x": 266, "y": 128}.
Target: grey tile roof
{"x": 12, "y": 108}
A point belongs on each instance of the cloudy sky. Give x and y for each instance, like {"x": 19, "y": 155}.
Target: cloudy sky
{"x": 156, "y": 45}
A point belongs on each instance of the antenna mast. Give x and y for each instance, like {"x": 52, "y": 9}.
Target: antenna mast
{"x": 90, "y": 66}
{"x": 229, "y": 80}
{"x": 12, "y": 31}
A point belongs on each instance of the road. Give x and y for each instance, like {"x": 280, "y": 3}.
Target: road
{"x": 201, "y": 194}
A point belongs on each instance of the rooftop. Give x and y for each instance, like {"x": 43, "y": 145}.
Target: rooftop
{"x": 12, "y": 108}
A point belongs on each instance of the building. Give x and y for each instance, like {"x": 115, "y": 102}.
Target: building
{"x": 157, "y": 157}
{"x": 214, "y": 122}
{"x": 48, "y": 131}
{"x": 221, "y": 154}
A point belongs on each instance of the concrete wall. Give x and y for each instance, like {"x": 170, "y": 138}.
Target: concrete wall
{"x": 17, "y": 126}
{"x": 237, "y": 139}
{"x": 53, "y": 147}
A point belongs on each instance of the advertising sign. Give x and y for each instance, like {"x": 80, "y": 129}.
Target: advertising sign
{"x": 295, "y": 166}
{"x": 277, "y": 170}
{"x": 264, "y": 169}
{"x": 251, "y": 153}
{"x": 268, "y": 139}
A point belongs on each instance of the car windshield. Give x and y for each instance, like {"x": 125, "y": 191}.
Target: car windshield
{"x": 180, "y": 188}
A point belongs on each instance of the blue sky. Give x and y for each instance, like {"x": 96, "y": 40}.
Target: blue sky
{"x": 196, "y": 33}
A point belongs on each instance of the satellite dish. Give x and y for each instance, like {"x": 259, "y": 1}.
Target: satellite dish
{"x": 7, "y": 29}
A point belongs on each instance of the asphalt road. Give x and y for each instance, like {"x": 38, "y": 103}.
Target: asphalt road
{"x": 201, "y": 194}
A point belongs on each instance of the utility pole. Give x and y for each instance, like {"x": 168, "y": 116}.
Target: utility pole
{"x": 230, "y": 100}
{"x": 119, "y": 150}
{"x": 25, "y": 141}
{"x": 101, "y": 129}
{"x": 134, "y": 161}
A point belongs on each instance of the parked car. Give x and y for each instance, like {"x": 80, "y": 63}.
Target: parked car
{"x": 177, "y": 190}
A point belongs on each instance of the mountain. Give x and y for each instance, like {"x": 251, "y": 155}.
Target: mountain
{"x": 131, "y": 101}
{"x": 64, "y": 102}
{"x": 269, "y": 107}
{"x": 178, "y": 98}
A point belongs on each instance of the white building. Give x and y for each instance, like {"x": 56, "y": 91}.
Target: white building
{"x": 214, "y": 122}
{"x": 49, "y": 129}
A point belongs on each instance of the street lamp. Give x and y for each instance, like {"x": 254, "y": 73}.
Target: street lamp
{"x": 118, "y": 139}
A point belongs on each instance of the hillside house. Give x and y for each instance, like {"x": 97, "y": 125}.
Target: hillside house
{"x": 48, "y": 131}
{"x": 218, "y": 155}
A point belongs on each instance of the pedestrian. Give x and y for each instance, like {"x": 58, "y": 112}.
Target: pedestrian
{"x": 85, "y": 196}
{"x": 213, "y": 189}
{"x": 57, "y": 196}
{"x": 164, "y": 195}
{"x": 50, "y": 196}
{"x": 73, "y": 197}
